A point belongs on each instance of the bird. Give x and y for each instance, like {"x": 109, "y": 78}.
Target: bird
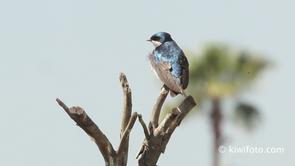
{"x": 169, "y": 63}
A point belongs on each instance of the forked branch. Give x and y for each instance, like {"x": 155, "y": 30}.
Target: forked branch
{"x": 158, "y": 136}
{"x": 85, "y": 122}
{"x": 111, "y": 157}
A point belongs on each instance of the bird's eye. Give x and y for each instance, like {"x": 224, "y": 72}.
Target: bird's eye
{"x": 155, "y": 38}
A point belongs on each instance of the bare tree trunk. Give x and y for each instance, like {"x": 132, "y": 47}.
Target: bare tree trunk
{"x": 216, "y": 120}
{"x": 157, "y": 135}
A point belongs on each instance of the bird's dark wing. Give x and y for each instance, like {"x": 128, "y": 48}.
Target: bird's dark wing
{"x": 163, "y": 71}
{"x": 185, "y": 71}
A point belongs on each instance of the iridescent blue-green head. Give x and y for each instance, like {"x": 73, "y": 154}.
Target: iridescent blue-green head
{"x": 160, "y": 38}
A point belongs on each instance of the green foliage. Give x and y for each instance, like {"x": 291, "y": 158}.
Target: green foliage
{"x": 219, "y": 71}
{"x": 247, "y": 115}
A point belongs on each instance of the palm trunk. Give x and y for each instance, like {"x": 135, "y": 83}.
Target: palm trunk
{"x": 216, "y": 118}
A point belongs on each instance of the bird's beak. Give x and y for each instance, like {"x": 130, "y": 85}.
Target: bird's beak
{"x": 149, "y": 40}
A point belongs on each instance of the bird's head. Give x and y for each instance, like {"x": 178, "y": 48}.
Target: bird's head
{"x": 160, "y": 38}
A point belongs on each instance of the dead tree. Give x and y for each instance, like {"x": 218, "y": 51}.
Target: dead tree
{"x": 157, "y": 134}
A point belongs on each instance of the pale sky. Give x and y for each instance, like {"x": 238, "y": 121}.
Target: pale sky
{"x": 75, "y": 50}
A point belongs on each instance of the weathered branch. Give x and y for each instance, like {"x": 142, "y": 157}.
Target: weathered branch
{"x": 145, "y": 129}
{"x": 127, "y": 102}
{"x": 155, "y": 144}
{"x": 125, "y": 136}
{"x": 127, "y": 121}
{"x": 111, "y": 157}
{"x": 173, "y": 119}
{"x": 158, "y": 106}
{"x": 84, "y": 121}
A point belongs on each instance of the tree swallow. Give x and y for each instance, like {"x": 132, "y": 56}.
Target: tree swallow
{"x": 169, "y": 63}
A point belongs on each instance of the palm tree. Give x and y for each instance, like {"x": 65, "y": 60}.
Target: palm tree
{"x": 219, "y": 73}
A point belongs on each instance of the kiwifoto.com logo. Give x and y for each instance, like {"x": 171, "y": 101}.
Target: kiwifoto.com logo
{"x": 250, "y": 149}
